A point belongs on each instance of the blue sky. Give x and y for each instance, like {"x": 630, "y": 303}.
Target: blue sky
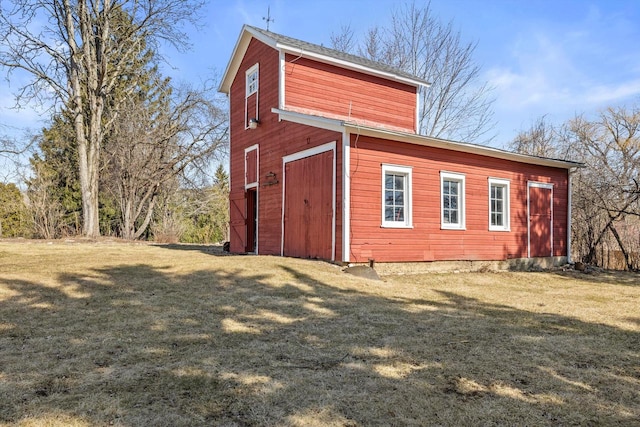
{"x": 555, "y": 58}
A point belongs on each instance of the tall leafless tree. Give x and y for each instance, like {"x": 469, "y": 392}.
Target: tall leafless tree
{"x": 606, "y": 193}
{"x": 542, "y": 139}
{"x": 457, "y": 105}
{"x": 610, "y": 147}
{"x": 68, "y": 50}
{"x": 151, "y": 148}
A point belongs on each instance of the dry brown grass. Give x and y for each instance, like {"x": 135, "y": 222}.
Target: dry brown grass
{"x": 124, "y": 334}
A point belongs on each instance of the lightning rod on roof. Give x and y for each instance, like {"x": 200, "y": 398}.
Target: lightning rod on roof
{"x": 268, "y": 18}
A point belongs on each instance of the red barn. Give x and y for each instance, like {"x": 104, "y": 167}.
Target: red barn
{"x": 326, "y": 163}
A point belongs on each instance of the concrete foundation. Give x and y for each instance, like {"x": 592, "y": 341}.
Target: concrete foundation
{"x": 519, "y": 264}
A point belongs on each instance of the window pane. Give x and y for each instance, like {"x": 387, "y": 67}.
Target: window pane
{"x": 399, "y": 214}
{"x": 388, "y": 198}
{"x": 388, "y": 214}
{"x": 454, "y": 217}
{"x": 399, "y": 182}
{"x": 454, "y": 188}
{"x": 388, "y": 181}
{"x": 454, "y": 202}
{"x": 399, "y": 200}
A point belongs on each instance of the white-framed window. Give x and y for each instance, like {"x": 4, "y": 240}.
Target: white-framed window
{"x": 499, "y": 194}
{"x": 396, "y": 196}
{"x": 452, "y": 200}
{"x": 252, "y": 80}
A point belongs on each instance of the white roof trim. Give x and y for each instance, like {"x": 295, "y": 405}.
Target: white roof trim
{"x": 309, "y": 120}
{"x": 463, "y": 147}
{"x": 245, "y": 38}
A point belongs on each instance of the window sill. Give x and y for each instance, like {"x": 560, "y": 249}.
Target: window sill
{"x": 504, "y": 230}
{"x": 396, "y": 226}
{"x": 444, "y": 227}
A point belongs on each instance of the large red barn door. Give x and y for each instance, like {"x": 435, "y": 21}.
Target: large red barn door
{"x": 308, "y": 207}
{"x": 540, "y": 220}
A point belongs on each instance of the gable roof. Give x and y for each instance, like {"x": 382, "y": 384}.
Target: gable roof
{"x": 312, "y": 51}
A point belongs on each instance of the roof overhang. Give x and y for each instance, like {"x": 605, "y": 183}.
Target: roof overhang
{"x": 462, "y": 147}
{"x": 248, "y": 33}
{"x": 242, "y": 44}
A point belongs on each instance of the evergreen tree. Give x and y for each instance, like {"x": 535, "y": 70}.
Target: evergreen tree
{"x": 13, "y": 213}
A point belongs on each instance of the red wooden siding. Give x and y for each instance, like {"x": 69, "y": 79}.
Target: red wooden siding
{"x": 251, "y": 167}
{"x": 308, "y": 207}
{"x": 540, "y": 221}
{"x": 317, "y": 88}
{"x": 426, "y": 241}
{"x": 277, "y": 139}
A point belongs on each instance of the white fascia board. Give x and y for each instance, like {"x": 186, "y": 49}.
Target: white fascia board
{"x": 234, "y": 62}
{"x": 462, "y": 147}
{"x": 238, "y": 54}
{"x": 349, "y": 65}
{"x": 306, "y": 119}
{"x": 281, "y": 81}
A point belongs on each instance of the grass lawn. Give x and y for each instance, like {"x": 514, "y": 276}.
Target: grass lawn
{"x": 133, "y": 334}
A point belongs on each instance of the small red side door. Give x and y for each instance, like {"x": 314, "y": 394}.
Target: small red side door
{"x": 540, "y": 221}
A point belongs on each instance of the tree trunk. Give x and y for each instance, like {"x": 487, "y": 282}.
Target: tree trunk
{"x": 147, "y": 219}
{"x": 624, "y": 251}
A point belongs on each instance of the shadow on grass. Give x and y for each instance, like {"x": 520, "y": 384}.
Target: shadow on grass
{"x": 206, "y": 249}
{"x": 612, "y": 277}
{"x": 135, "y": 345}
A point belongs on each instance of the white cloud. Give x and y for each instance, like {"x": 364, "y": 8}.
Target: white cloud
{"x": 563, "y": 70}
{"x": 611, "y": 94}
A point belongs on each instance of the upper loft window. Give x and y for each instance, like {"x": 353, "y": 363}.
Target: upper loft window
{"x": 252, "y": 80}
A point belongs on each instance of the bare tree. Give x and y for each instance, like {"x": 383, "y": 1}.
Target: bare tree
{"x": 44, "y": 210}
{"x": 68, "y": 49}
{"x": 457, "y": 105}
{"x": 12, "y": 150}
{"x": 344, "y": 40}
{"x": 542, "y": 139}
{"x": 610, "y": 187}
{"x": 606, "y": 193}
{"x": 152, "y": 147}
